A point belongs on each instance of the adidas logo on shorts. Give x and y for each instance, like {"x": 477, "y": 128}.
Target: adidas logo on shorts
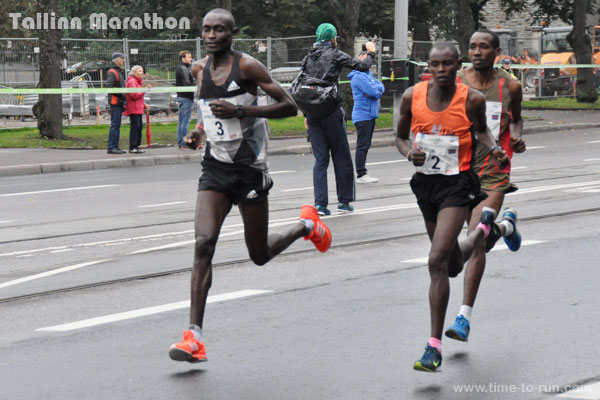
{"x": 252, "y": 194}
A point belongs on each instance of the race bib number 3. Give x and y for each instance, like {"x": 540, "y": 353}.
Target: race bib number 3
{"x": 441, "y": 154}
{"x": 219, "y": 130}
{"x": 493, "y": 113}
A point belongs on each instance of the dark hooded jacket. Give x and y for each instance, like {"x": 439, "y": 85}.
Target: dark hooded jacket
{"x": 325, "y": 62}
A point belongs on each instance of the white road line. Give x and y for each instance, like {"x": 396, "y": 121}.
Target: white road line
{"x": 57, "y": 190}
{"x": 513, "y": 168}
{"x": 142, "y": 312}
{"x": 386, "y": 162}
{"x": 536, "y": 147}
{"x": 592, "y": 159}
{"x": 49, "y": 273}
{"x": 295, "y": 190}
{"x": 61, "y": 251}
{"x": 7, "y": 221}
{"x": 587, "y": 392}
{"x": 499, "y": 246}
{"x": 163, "y": 204}
{"x": 554, "y": 187}
{"x": 280, "y": 172}
{"x": 594, "y": 141}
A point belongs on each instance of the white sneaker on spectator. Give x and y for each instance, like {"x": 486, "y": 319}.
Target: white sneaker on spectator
{"x": 366, "y": 179}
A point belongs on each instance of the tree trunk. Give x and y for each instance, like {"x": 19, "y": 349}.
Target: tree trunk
{"x": 580, "y": 41}
{"x": 197, "y": 15}
{"x": 421, "y": 37}
{"x": 465, "y": 26}
{"x": 226, "y": 4}
{"x": 48, "y": 109}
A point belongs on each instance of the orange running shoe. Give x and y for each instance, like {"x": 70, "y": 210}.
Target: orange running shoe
{"x": 321, "y": 235}
{"x": 189, "y": 349}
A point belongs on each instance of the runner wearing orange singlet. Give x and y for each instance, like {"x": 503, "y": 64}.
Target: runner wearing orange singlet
{"x": 445, "y": 119}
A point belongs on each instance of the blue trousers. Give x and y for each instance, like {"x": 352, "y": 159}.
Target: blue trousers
{"x": 364, "y": 135}
{"x": 185, "y": 115}
{"x": 328, "y": 137}
{"x": 116, "y": 112}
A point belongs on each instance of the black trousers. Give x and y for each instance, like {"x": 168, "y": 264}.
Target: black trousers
{"x": 135, "y": 131}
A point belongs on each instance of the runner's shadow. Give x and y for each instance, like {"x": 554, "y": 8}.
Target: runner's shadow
{"x": 429, "y": 392}
{"x": 460, "y": 357}
{"x": 188, "y": 374}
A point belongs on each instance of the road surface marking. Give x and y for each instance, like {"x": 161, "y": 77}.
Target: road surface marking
{"x": 592, "y": 159}
{"x": 10, "y": 220}
{"x": 57, "y": 190}
{"x": 499, "y": 246}
{"x": 513, "y": 168}
{"x": 536, "y": 147}
{"x": 555, "y": 187}
{"x": 295, "y": 190}
{"x": 61, "y": 251}
{"x": 49, "y": 273}
{"x": 163, "y": 204}
{"x": 280, "y": 172}
{"x": 386, "y": 162}
{"x": 588, "y": 392}
{"x": 142, "y": 312}
{"x": 594, "y": 141}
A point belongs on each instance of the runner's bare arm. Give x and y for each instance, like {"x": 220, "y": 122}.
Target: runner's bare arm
{"x": 194, "y": 137}
{"x": 403, "y": 141}
{"x": 516, "y": 121}
{"x": 255, "y": 71}
{"x": 476, "y": 113}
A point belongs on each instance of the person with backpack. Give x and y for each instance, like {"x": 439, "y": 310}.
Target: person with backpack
{"x": 326, "y": 119}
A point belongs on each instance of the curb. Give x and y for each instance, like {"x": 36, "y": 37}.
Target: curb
{"x": 86, "y": 165}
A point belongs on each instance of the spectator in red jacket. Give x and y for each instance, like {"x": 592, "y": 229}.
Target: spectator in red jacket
{"x": 135, "y": 108}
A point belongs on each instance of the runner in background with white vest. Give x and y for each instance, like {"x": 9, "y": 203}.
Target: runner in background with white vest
{"x": 445, "y": 119}
{"x": 503, "y": 96}
{"x": 234, "y": 166}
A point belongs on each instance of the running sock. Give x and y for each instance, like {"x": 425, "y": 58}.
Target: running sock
{"x": 437, "y": 343}
{"x": 485, "y": 228}
{"x": 508, "y": 226}
{"x": 309, "y": 224}
{"x": 197, "y": 331}
{"x": 465, "y": 311}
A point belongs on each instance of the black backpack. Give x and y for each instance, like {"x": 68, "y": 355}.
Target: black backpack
{"x": 316, "y": 98}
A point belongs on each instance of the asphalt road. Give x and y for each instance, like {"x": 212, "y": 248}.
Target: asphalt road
{"x": 94, "y": 284}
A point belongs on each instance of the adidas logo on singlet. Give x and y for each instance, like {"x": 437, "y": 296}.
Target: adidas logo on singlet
{"x": 232, "y": 86}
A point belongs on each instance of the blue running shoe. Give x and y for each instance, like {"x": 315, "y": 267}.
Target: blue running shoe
{"x": 345, "y": 208}
{"x": 460, "y": 329}
{"x": 323, "y": 210}
{"x": 514, "y": 240}
{"x": 488, "y": 216}
{"x": 431, "y": 360}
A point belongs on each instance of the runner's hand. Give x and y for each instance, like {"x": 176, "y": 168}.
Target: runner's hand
{"x": 417, "y": 156}
{"x": 193, "y": 139}
{"x": 500, "y": 157}
{"x": 222, "y": 109}
{"x": 517, "y": 144}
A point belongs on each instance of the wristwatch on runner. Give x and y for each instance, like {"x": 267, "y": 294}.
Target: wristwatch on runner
{"x": 495, "y": 147}
{"x": 239, "y": 112}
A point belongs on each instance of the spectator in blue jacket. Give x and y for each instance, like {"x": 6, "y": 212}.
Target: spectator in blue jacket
{"x": 367, "y": 91}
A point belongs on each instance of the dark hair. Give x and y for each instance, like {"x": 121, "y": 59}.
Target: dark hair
{"x": 441, "y": 46}
{"x": 495, "y": 37}
{"x": 183, "y": 53}
{"x": 224, "y": 13}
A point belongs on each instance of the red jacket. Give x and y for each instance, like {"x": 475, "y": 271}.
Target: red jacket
{"x": 135, "y": 101}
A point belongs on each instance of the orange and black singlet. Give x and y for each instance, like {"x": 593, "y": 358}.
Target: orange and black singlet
{"x": 445, "y": 136}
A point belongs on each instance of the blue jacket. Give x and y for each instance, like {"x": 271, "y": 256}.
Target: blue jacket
{"x": 366, "y": 90}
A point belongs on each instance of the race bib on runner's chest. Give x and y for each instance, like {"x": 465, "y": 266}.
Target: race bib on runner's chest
{"x": 219, "y": 130}
{"x": 441, "y": 154}
{"x": 493, "y": 113}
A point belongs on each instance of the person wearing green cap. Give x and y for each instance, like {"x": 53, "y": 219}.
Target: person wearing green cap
{"x": 327, "y": 134}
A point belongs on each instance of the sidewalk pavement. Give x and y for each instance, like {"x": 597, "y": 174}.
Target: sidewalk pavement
{"x": 25, "y": 161}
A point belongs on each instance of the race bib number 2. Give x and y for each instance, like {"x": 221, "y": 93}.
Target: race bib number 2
{"x": 441, "y": 154}
{"x": 217, "y": 129}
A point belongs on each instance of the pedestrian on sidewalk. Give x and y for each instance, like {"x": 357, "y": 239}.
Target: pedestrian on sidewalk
{"x": 185, "y": 100}
{"x": 327, "y": 133}
{"x": 367, "y": 91}
{"x": 135, "y": 108}
{"x": 116, "y": 101}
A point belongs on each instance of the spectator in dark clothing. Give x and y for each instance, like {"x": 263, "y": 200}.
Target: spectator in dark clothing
{"x": 183, "y": 77}
{"x": 328, "y": 134}
{"x": 116, "y": 101}
{"x": 367, "y": 91}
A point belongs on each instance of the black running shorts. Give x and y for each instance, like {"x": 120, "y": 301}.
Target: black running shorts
{"x": 241, "y": 183}
{"x": 435, "y": 192}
